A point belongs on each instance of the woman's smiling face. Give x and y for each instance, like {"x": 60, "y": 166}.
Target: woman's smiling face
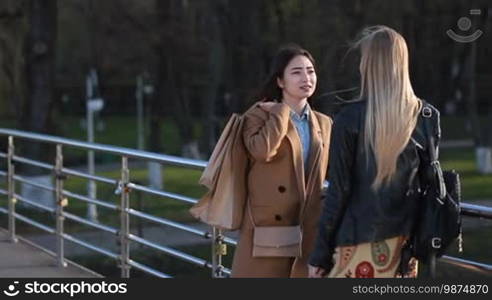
{"x": 299, "y": 79}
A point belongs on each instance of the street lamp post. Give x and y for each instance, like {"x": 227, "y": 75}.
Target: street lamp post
{"x": 94, "y": 104}
{"x": 143, "y": 88}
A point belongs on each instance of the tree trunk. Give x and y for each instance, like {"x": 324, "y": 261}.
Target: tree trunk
{"x": 40, "y": 64}
{"x": 12, "y": 39}
{"x": 159, "y": 100}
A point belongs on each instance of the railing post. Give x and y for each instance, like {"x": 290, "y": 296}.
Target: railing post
{"x": 219, "y": 248}
{"x": 61, "y": 202}
{"x": 11, "y": 189}
{"x": 125, "y": 219}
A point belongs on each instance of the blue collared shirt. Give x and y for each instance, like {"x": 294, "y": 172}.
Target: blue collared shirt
{"x": 301, "y": 122}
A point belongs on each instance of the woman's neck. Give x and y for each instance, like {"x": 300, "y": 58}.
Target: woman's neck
{"x": 296, "y": 105}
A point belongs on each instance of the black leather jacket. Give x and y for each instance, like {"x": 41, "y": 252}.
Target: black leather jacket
{"x": 353, "y": 213}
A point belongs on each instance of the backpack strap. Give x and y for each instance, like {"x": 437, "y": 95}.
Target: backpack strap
{"x": 427, "y": 114}
{"x": 435, "y": 164}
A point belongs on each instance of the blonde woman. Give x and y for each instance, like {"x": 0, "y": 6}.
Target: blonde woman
{"x": 369, "y": 209}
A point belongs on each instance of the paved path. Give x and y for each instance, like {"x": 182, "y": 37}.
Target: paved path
{"x": 23, "y": 260}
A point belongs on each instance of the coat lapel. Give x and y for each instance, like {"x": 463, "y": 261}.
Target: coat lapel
{"x": 315, "y": 148}
{"x": 295, "y": 143}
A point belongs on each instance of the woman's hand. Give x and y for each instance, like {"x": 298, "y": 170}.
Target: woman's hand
{"x": 316, "y": 272}
{"x": 267, "y": 106}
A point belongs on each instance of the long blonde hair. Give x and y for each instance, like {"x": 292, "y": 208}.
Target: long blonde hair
{"x": 392, "y": 107}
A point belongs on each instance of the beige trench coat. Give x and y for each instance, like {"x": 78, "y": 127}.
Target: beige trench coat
{"x": 278, "y": 187}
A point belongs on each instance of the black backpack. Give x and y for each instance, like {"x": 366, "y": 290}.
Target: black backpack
{"x": 438, "y": 220}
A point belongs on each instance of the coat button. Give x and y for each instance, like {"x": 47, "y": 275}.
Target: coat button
{"x": 281, "y": 189}
{"x": 278, "y": 218}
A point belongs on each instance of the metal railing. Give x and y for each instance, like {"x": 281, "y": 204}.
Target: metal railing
{"x": 124, "y": 186}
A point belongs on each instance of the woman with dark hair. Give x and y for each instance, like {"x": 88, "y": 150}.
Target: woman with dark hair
{"x": 287, "y": 146}
{"x": 375, "y": 167}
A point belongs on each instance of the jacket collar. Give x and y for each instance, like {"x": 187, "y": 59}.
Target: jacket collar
{"x": 306, "y": 113}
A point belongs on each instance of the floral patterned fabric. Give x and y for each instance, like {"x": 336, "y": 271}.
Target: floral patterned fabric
{"x": 369, "y": 260}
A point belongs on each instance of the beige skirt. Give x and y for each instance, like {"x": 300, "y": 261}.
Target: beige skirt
{"x": 371, "y": 260}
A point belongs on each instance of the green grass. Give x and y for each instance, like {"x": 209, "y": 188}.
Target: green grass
{"x": 456, "y": 127}
{"x": 176, "y": 180}
{"x": 118, "y": 131}
{"x": 7, "y": 123}
{"x": 475, "y": 186}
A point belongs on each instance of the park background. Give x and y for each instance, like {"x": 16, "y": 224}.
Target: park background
{"x": 192, "y": 63}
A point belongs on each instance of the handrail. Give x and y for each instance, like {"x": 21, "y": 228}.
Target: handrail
{"x": 148, "y": 270}
{"x": 90, "y": 200}
{"x": 123, "y": 187}
{"x": 152, "y": 191}
{"x": 89, "y": 223}
{"x": 170, "y": 251}
{"x": 473, "y": 210}
{"x": 169, "y": 223}
{"x": 89, "y": 246}
{"x": 32, "y": 203}
{"x": 467, "y": 263}
{"x": 34, "y": 223}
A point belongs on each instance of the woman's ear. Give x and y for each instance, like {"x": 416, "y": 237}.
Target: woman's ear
{"x": 280, "y": 83}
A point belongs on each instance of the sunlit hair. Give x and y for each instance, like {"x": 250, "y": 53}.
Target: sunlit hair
{"x": 392, "y": 107}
